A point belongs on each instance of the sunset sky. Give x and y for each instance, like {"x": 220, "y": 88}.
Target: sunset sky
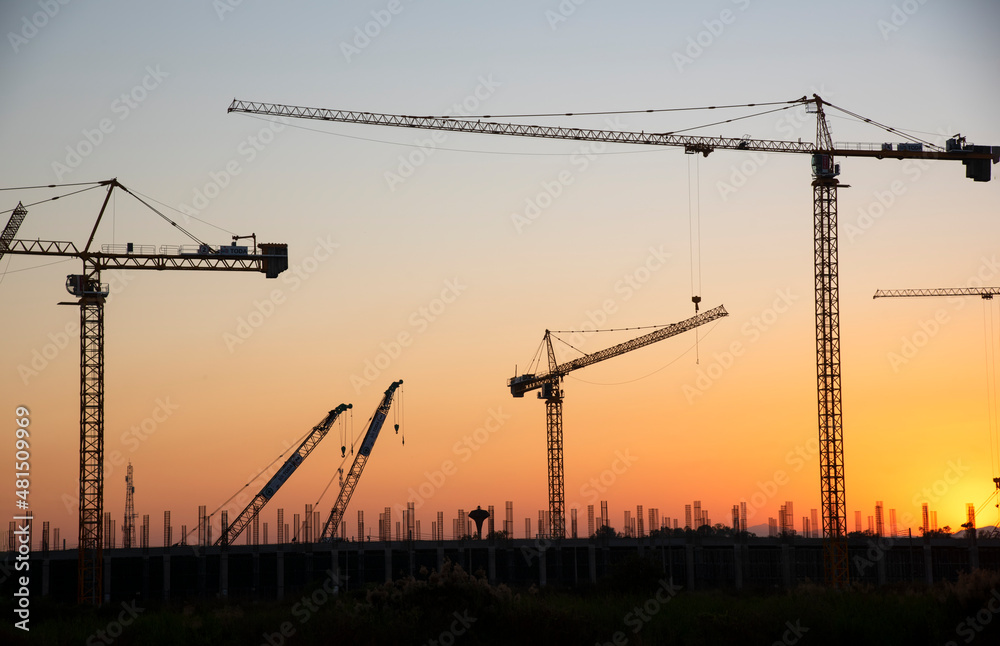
{"x": 451, "y": 250}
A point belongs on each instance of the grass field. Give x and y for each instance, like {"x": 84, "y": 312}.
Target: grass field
{"x": 637, "y": 606}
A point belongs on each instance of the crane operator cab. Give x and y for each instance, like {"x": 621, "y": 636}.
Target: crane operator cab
{"x": 823, "y": 166}
{"x": 79, "y": 285}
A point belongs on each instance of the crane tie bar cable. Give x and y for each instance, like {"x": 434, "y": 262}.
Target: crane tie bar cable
{"x": 606, "y": 112}
{"x": 52, "y": 199}
{"x": 25, "y": 188}
{"x": 154, "y": 210}
{"x": 617, "y": 329}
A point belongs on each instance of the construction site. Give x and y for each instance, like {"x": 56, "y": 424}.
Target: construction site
{"x": 733, "y": 307}
{"x": 546, "y": 375}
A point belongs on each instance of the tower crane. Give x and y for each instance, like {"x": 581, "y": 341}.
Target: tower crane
{"x": 549, "y": 386}
{"x": 986, "y": 293}
{"x": 823, "y": 152}
{"x": 269, "y": 259}
{"x": 332, "y": 526}
{"x": 231, "y": 533}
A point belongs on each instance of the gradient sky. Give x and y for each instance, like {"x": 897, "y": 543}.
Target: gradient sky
{"x": 399, "y": 245}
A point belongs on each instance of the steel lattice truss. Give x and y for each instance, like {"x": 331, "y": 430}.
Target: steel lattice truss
{"x": 985, "y": 292}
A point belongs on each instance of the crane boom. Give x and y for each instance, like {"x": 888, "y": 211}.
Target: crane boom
{"x": 523, "y": 383}
{"x": 690, "y": 143}
{"x": 231, "y": 533}
{"x": 332, "y": 525}
{"x": 986, "y": 292}
{"x": 13, "y": 224}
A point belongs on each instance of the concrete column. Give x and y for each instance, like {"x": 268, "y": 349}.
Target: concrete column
{"x": 223, "y": 574}
{"x": 361, "y": 565}
{"x": 335, "y": 566}
{"x": 202, "y": 557}
{"x": 542, "y": 574}
{"x": 256, "y": 572}
{"x": 166, "y": 575}
{"x": 107, "y": 575}
{"x": 974, "y": 555}
{"x": 738, "y": 566}
{"x": 786, "y": 565}
{"x": 145, "y": 574}
{"x": 388, "y": 563}
{"x": 281, "y": 573}
{"x": 440, "y": 557}
{"x": 689, "y": 562}
{"x": 492, "y": 564}
{"x": 592, "y": 561}
{"x": 928, "y": 564}
{"x": 880, "y": 567}
{"x": 45, "y": 576}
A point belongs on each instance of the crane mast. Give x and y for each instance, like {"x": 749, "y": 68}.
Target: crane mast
{"x": 269, "y": 259}
{"x": 231, "y": 533}
{"x": 332, "y": 526}
{"x": 128, "y": 527}
{"x": 976, "y": 159}
{"x": 548, "y": 384}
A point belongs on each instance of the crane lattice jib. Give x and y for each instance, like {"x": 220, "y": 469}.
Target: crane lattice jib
{"x": 231, "y": 533}
{"x": 985, "y": 292}
{"x": 524, "y": 383}
{"x": 174, "y": 260}
{"x": 13, "y": 224}
{"x": 691, "y": 143}
{"x": 332, "y": 525}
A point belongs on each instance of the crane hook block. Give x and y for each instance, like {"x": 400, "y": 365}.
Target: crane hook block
{"x": 397, "y": 429}
{"x": 343, "y": 451}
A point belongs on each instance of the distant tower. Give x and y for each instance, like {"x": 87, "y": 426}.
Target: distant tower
{"x": 478, "y": 515}
{"x": 128, "y": 527}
